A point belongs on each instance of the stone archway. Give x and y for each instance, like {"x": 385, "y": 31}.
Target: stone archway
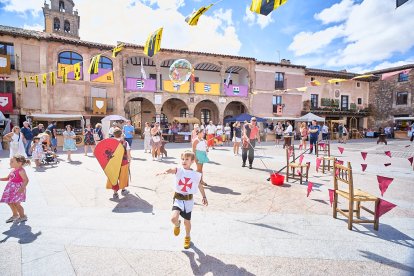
{"x": 235, "y": 108}
{"x": 140, "y": 110}
{"x": 174, "y": 107}
{"x": 206, "y": 111}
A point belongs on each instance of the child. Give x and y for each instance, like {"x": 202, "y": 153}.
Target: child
{"x": 37, "y": 151}
{"x": 15, "y": 191}
{"x": 185, "y": 185}
{"x": 200, "y": 150}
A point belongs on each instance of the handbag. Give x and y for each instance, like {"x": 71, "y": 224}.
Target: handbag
{"x": 156, "y": 139}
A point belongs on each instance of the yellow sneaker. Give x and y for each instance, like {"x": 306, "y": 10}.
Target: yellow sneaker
{"x": 187, "y": 242}
{"x": 177, "y": 229}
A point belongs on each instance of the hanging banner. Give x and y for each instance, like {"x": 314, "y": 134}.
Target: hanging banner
{"x": 70, "y": 71}
{"x": 99, "y": 105}
{"x": 6, "y": 102}
{"x": 5, "y": 65}
{"x": 103, "y": 76}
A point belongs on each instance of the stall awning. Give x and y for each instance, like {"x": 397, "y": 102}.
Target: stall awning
{"x": 281, "y": 119}
{"x": 56, "y": 117}
{"x": 403, "y": 118}
{"x": 310, "y": 117}
{"x": 183, "y": 120}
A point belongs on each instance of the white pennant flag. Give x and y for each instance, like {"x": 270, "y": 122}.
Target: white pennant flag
{"x": 144, "y": 75}
{"x": 228, "y": 78}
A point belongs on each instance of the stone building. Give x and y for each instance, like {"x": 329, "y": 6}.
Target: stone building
{"x": 392, "y": 96}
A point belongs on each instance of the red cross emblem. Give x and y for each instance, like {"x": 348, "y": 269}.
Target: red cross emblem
{"x": 185, "y": 184}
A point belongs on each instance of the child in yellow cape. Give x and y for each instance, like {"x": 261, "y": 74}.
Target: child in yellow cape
{"x": 186, "y": 184}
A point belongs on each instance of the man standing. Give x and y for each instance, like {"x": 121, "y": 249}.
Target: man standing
{"x": 250, "y": 136}
{"x": 211, "y": 134}
{"x": 325, "y": 132}
{"x": 340, "y": 133}
{"x": 37, "y": 130}
{"x": 28, "y": 136}
{"x": 314, "y": 133}
{"x": 53, "y": 141}
{"x": 128, "y": 131}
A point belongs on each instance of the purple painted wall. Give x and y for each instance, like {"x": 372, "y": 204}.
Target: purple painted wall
{"x": 236, "y": 90}
{"x": 135, "y": 84}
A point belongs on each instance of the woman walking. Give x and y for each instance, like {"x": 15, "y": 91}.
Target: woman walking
{"x": 147, "y": 137}
{"x": 279, "y": 133}
{"x": 98, "y": 134}
{"x": 304, "y": 135}
{"x": 236, "y": 138}
{"x": 227, "y": 132}
{"x": 69, "y": 143}
{"x": 16, "y": 139}
{"x": 156, "y": 142}
{"x": 200, "y": 150}
{"x": 88, "y": 139}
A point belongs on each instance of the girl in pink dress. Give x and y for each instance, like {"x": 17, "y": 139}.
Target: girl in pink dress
{"x": 15, "y": 191}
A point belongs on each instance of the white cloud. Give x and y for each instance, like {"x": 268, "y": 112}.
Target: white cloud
{"x": 383, "y": 65}
{"x": 35, "y": 27}
{"x": 34, "y": 6}
{"x": 252, "y": 18}
{"x": 336, "y": 13}
{"x": 372, "y": 32}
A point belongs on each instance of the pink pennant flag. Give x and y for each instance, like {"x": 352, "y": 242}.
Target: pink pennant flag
{"x": 364, "y": 154}
{"x": 331, "y": 195}
{"x": 322, "y": 145}
{"x": 383, "y": 207}
{"x": 301, "y": 159}
{"x": 411, "y": 160}
{"x": 337, "y": 170}
{"x": 364, "y": 167}
{"x": 388, "y": 153}
{"x": 310, "y": 186}
{"x": 300, "y": 147}
{"x": 387, "y": 164}
{"x": 341, "y": 150}
{"x": 299, "y": 173}
{"x": 384, "y": 182}
{"x": 318, "y": 163}
{"x": 290, "y": 152}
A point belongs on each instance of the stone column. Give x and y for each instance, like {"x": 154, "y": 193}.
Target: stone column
{"x": 222, "y": 77}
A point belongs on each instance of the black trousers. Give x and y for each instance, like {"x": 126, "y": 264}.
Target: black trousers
{"x": 249, "y": 149}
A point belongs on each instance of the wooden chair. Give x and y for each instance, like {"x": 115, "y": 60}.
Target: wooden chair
{"x": 292, "y": 166}
{"x": 323, "y": 148}
{"x": 343, "y": 175}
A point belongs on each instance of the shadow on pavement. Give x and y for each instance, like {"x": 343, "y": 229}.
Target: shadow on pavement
{"x": 211, "y": 264}
{"x": 385, "y": 261}
{"x": 139, "y": 159}
{"x": 321, "y": 201}
{"x": 214, "y": 163}
{"x": 267, "y": 226}
{"x": 22, "y": 232}
{"x": 76, "y": 163}
{"x": 131, "y": 204}
{"x": 388, "y": 233}
{"x": 221, "y": 190}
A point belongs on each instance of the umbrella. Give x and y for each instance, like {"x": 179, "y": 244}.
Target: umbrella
{"x": 310, "y": 117}
{"x": 244, "y": 117}
{"x": 114, "y": 118}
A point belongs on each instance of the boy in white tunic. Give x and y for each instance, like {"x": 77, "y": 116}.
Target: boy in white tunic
{"x": 186, "y": 183}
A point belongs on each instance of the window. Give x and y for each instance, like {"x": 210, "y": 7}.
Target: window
{"x": 337, "y": 83}
{"x": 279, "y": 80}
{"x": 402, "y": 98}
{"x": 66, "y": 27}
{"x": 205, "y": 116}
{"x": 402, "y": 77}
{"x": 359, "y": 100}
{"x": 344, "y": 103}
{"x": 314, "y": 100}
{"x": 61, "y": 6}
{"x": 105, "y": 63}
{"x": 69, "y": 58}
{"x": 153, "y": 76}
{"x": 8, "y": 50}
{"x": 163, "y": 119}
{"x": 277, "y": 100}
{"x": 184, "y": 113}
{"x": 56, "y": 24}
{"x": 312, "y": 78}
{"x": 358, "y": 84}
{"x": 230, "y": 82}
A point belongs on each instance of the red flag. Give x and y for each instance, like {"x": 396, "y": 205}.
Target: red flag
{"x": 310, "y": 186}
{"x": 411, "y": 160}
{"x": 364, "y": 167}
{"x": 384, "y": 182}
{"x": 383, "y": 207}
{"x": 301, "y": 159}
{"x": 388, "y": 153}
{"x": 387, "y": 164}
{"x": 318, "y": 163}
{"x": 299, "y": 173}
{"x": 290, "y": 152}
{"x": 337, "y": 170}
{"x": 341, "y": 150}
{"x": 331, "y": 195}
{"x": 322, "y": 145}
{"x": 364, "y": 154}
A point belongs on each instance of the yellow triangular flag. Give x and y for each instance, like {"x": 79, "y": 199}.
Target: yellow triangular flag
{"x": 37, "y": 80}
{"x": 52, "y": 78}
{"x": 192, "y": 19}
{"x": 25, "y": 81}
{"x": 117, "y": 50}
{"x": 153, "y": 44}
{"x": 336, "y": 80}
{"x": 44, "y": 79}
{"x": 363, "y": 77}
{"x": 77, "y": 71}
{"x": 64, "y": 75}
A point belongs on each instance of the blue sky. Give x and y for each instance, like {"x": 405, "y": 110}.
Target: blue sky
{"x": 357, "y": 35}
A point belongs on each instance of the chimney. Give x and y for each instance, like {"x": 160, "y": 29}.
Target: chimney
{"x": 285, "y": 61}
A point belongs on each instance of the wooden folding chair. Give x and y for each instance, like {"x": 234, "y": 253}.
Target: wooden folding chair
{"x": 292, "y": 166}
{"x": 323, "y": 148}
{"x": 343, "y": 175}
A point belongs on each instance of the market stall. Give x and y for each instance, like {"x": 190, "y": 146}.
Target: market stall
{"x": 184, "y": 136}
{"x": 272, "y": 136}
{"x": 403, "y": 127}
{"x": 333, "y": 134}
{"x": 108, "y": 120}
{"x": 62, "y": 120}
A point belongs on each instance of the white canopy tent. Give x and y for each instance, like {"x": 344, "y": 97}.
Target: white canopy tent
{"x": 403, "y": 119}
{"x": 56, "y": 117}
{"x": 310, "y": 117}
{"x": 106, "y": 122}
{"x": 280, "y": 119}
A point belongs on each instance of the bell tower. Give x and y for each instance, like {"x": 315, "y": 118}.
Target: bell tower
{"x": 61, "y": 19}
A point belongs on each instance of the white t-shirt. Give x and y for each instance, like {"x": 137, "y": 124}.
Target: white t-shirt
{"x": 211, "y": 129}
{"x": 227, "y": 130}
{"x": 289, "y": 129}
{"x": 324, "y": 129}
{"x": 201, "y": 145}
{"x": 219, "y": 130}
{"x": 186, "y": 182}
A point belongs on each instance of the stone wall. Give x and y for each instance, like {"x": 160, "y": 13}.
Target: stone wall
{"x": 383, "y": 99}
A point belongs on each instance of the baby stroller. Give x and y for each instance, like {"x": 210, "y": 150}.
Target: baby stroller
{"x": 49, "y": 157}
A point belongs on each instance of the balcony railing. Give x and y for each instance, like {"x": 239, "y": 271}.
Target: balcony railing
{"x": 234, "y": 90}
{"x": 89, "y": 103}
{"x": 144, "y": 85}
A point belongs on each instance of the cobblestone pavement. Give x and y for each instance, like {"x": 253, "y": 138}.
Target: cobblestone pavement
{"x": 250, "y": 227}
